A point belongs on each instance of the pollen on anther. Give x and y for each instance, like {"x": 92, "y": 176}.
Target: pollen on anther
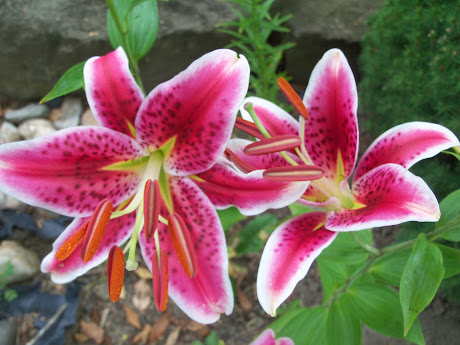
{"x": 71, "y": 243}
{"x": 115, "y": 272}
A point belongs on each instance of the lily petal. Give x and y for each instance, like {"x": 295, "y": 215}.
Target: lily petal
{"x": 207, "y": 295}
{"x": 331, "y": 132}
{"x": 275, "y": 120}
{"x": 225, "y": 186}
{"x": 112, "y": 93}
{"x": 64, "y": 271}
{"x": 197, "y": 109}
{"x": 268, "y": 338}
{"x": 391, "y": 195}
{"x": 64, "y": 171}
{"x": 405, "y": 145}
{"x": 288, "y": 255}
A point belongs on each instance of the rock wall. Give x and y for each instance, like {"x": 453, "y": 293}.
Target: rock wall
{"x": 41, "y": 39}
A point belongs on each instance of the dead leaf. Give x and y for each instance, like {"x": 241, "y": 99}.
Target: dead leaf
{"x": 194, "y": 326}
{"x": 132, "y": 317}
{"x": 92, "y": 331}
{"x": 143, "y": 336}
{"x": 173, "y": 336}
{"x": 160, "y": 326}
{"x": 142, "y": 295}
{"x": 243, "y": 300}
{"x": 144, "y": 273}
{"x": 80, "y": 337}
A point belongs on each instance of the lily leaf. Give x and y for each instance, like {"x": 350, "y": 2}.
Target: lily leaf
{"x": 420, "y": 280}
{"x": 342, "y": 327}
{"x": 248, "y": 238}
{"x": 450, "y": 259}
{"x": 450, "y": 209}
{"x": 345, "y": 250}
{"x": 388, "y": 268}
{"x": 229, "y": 217}
{"x": 71, "y": 80}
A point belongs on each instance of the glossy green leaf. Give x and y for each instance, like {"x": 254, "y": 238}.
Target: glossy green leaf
{"x": 141, "y": 21}
{"x": 229, "y": 217}
{"x": 450, "y": 260}
{"x": 378, "y": 307}
{"x": 455, "y": 154}
{"x": 333, "y": 276}
{"x": 388, "y": 268}
{"x": 343, "y": 327}
{"x": 345, "y": 250}
{"x": 297, "y": 209}
{"x": 248, "y": 238}
{"x": 305, "y": 326}
{"x": 420, "y": 279}
{"x": 71, "y": 80}
{"x": 450, "y": 208}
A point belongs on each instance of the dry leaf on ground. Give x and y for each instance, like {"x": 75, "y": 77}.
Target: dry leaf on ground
{"x": 160, "y": 326}
{"x": 144, "y": 273}
{"x": 142, "y": 295}
{"x": 132, "y": 317}
{"x": 93, "y": 331}
{"x": 143, "y": 335}
{"x": 173, "y": 336}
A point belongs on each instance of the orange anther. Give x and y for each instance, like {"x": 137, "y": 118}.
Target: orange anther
{"x": 248, "y": 127}
{"x": 160, "y": 279}
{"x": 292, "y": 97}
{"x": 152, "y": 199}
{"x": 96, "y": 228}
{"x": 71, "y": 243}
{"x": 115, "y": 272}
{"x": 183, "y": 245}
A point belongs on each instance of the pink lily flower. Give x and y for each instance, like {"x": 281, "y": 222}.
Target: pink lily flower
{"x": 268, "y": 338}
{"x": 383, "y": 192}
{"x": 140, "y": 161}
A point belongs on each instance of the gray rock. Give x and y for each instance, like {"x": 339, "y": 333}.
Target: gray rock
{"x": 35, "y": 128}
{"x": 25, "y": 262}
{"x": 88, "y": 119}
{"x": 8, "y": 332}
{"x": 30, "y": 111}
{"x": 7, "y": 201}
{"x": 8, "y": 133}
{"x": 71, "y": 110}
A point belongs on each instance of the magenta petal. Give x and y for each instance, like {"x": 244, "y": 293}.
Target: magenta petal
{"x": 268, "y": 338}
{"x": 274, "y": 119}
{"x": 405, "y": 145}
{"x": 332, "y": 128}
{"x": 63, "y": 171}
{"x": 117, "y": 232}
{"x": 198, "y": 108}
{"x": 251, "y": 193}
{"x": 391, "y": 195}
{"x": 207, "y": 295}
{"x": 112, "y": 92}
{"x": 287, "y": 257}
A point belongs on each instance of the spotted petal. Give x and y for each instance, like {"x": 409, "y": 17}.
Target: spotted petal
{"x": 268, "y": 338}
{"x": 64, "y": 171}
{"x": 331, "y": 132}
{"x": 112, "y": 92}
{"x": 64, "y": 271}
{"x": 405, "y": 145}
{"x": 226, "y": 186}
{"x": 274, "y": 119}
{"x": 207, "y": 295}
{"x": 391, "y": 195}
{"x": 198, "y": 108}
{"x": 287, "y": 257}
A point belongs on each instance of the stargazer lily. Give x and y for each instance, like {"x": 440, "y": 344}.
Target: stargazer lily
{"x": 383, "y": 192}
{"x": 128, "y": 180}
{"x": 268, "y": 338}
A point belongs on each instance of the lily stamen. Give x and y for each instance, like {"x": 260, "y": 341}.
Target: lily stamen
{"x": 292, "y": 97}
{"x": 273, "y": 144}
{"x": 69, "y": 246}
{"x": 248, "y": 127}
{"x": 115, "y": 272}
{"x": 160, "y": 279}
{"x": 183, "y": 244}
{"x": 244, "y": 167}
{"x": 295, "y": 173}
{"x": 152, "y": 200}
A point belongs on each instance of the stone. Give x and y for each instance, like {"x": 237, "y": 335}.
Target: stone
{"x": 9, "y": 133}
{"x": 7, "y": 201}
{"x": 8, "y": 331}
{"x": 25, "y": 262}
{"x": 35, "y": 128}
{"x": 71, "y": 110}
{"x": 88, "y": 119}
{"x": 30, "y": 111}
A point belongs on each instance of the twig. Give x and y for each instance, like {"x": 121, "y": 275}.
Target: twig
{"x": 48, "y": 325}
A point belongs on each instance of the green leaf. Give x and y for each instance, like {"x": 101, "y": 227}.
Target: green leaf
{"x": 345, "y": 250}
{"x": 333, "y": 276}
{"x": 229, "y": 217}
{"x": 343, "y": 327}
{"x": 450, "y": 260}
{"x": 297, "y": 209}
{"x": 388, "y": 268}
{"x": 450, "y": 208}
{"x": 10, "y": 295}
{"x": 71, "y": 80}
{"x": 305, "y": 326}
{"x": 211, "y": 339}
{"x": 455, "y": 154}
{"x": 378, "y": 307}
{"x": 248, "y": 238}
{"x": 142, "y": 22}
{"x": 420, "y": 279}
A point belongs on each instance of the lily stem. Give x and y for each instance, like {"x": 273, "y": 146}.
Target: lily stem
{"x": 368, "y": 248}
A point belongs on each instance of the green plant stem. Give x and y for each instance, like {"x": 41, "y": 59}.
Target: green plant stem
{"x": 124, "y": 32}
{"x": 368, "y": 248}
